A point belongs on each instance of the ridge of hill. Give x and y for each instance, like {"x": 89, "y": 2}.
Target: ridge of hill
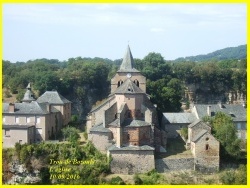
{"x": 239, "y": 52}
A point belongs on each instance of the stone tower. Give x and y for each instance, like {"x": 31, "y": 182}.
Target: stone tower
{"x": 127, "y": 70}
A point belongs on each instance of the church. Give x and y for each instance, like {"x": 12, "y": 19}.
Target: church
{"x": 125, "y": 125}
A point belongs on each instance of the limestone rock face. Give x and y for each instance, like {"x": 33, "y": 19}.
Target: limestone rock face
{"x": 21, "y": 175}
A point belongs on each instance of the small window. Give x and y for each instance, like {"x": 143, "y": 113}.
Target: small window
{"x": 207, "y": 146}
{"x": 38, "y": 119}
{"x": 207, "y": 139}
{"x": 28, "y": 119}
{"x": 20, "y": 141}
{"x": 16, "y": 119}
{"x": 7, "y": 132}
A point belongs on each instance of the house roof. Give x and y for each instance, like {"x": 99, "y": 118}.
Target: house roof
{"x": 128, "y": 87}
{"x": 196, "y": 122}
{"x": 128, "y": 64}
{"x": 179, "y": 117}
{"x": 134, "y": 123}
{"x": 99, "y": 128}
{"x": 28, "y": 108}
{"x": 102, "y": 103}
{"x": 129, "y": 148}
{"x": 28, "y": 96}
{"x": 52, "y": 97}
{"x": 199, "y": 135}
{"x": 237, "y": 111}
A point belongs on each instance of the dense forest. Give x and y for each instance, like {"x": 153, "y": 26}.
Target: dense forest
{"x": 85, "y": 81}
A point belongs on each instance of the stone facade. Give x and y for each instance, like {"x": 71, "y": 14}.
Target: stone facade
{"x": 174, "y": 164}
{"x": 129, "y": 161}
{"x": 34, "y": 120}
{"x": 102, "y": 141}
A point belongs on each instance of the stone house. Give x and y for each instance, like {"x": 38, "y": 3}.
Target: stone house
{"x": 236, "y": 111}
{"x": 174, "y": 122}
{"x": 204, "y": 147}
{"x": 33, "y": 121}
{"x": 125, "y": 125}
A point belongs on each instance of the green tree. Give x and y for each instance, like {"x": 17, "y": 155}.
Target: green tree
{"x": 225, "y": 131}
{"x": 71, "y": 134}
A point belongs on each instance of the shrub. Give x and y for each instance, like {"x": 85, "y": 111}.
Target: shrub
{"x": 184, "y": 132}
{"x": 228, "y": 178}
{"x": 117, "y": 181}
{"x": 137, "y": 180}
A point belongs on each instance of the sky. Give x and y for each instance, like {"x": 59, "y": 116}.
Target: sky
{"x": 63, "y": 31}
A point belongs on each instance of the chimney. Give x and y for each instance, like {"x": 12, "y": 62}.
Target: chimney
{"x": 11, "y": 107}
{"x": 209, "y": 110}
{"x": 220, "y": 105}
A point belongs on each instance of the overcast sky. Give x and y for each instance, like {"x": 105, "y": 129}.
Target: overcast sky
{"x": 62, "y": 31}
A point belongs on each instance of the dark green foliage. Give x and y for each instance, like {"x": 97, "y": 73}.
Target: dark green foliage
{"x": 151, "y": 178}
{"x": 81, "y": 78}
{"x": 89, "y": 172}
{"x": 71, "y": 134}
{"x": 117, "y": 181}
{"x": 235, "y": 177}
{"x": 225, "y": 131}
{"x": 184, "y": 132}
{"x": 137, "y": 180}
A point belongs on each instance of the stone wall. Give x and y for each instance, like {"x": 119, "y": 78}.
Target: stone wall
{"x": 131, "y": 162}
{"x": 171, "y": 164}
{"x": 101, "y": 141}
{"x": 207, "y": 164}
{"x": 173, "y": 130}
{"x": 96, "y": 116}
{"x": 109, "y": 115}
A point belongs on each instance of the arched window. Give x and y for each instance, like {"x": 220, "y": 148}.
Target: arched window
{"x": 136, "y": 82}
{"x": 119, "y": 83}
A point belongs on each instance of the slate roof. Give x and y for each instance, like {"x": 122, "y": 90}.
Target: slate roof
{"x": 196, "y": 122}
{"x": 28, "y": 108}
{"x": 134, "y": 123}
{"x": 237, "y": 110}
{"x": 128, "y": 87}
{"x": 128, "y": 64}
{"x": 199, "y": 135}
{"x": 99, "y": 128}
{"x": 103, "y": 103}
{"x": 179, "y": 118}
{"x": 28, "y": 96}
{"x": 52, "y": 97}
{"x": 129, "y": 148}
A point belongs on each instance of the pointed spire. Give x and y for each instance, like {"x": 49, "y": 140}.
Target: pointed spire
{"x": 128, "y": 64}
{"x": 28, "y": 86}
{"x": 28, "y": 96}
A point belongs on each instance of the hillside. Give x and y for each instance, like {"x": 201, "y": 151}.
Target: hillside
{"x": 239, "y": 52}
